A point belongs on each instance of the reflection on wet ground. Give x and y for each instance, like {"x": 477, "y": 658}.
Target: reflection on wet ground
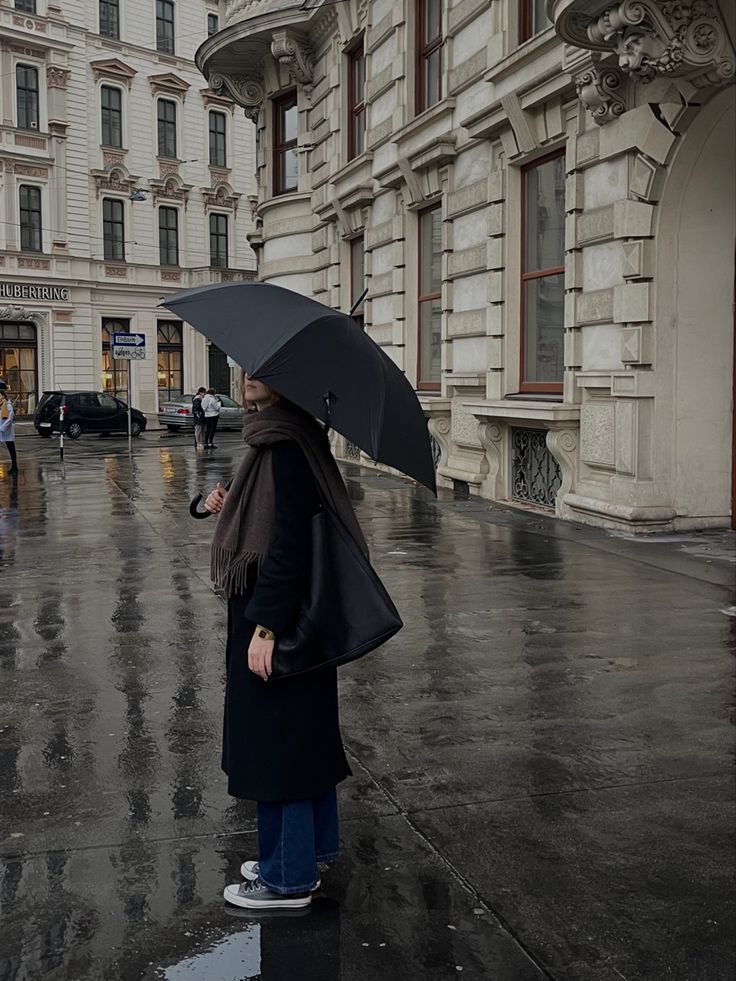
{"x": 543, "y": 757}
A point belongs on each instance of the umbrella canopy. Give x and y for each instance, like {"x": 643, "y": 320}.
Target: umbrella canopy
{"x": 320, "y": 359}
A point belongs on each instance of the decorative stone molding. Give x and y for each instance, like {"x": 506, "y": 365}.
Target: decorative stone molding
{"x": 14, "y": 312}
{"x": 602, "y": 89}
{"x": 491, "y": 435}
{"x": 246, "y": 90}
{"x": 563, "y": 445}
{"x": 115, "y": 180}
{"x": 29, "y": 24}
{"x": 170, "y": 276}
{"x": 655, "y": 38}
{"x": 26, "y": 262}
{"x": 291, "y": 50}
{"x": 113, "y": 69}
{"x": 170, "y": 188}
{"x": 57, "y": 77}
{"x": 220, "y": 196}
{"x": 215, "y": 100}
{"x": 167, "y": 167}
{"x": 168, "y": 84}
{"x": 25, "y": 170}
{"x": 110, "y": 157}
{"x": 58, "y": 128}
{"x": 116, "y": 272}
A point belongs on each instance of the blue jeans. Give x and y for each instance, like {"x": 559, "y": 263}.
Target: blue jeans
{"x": 293, "y": 836}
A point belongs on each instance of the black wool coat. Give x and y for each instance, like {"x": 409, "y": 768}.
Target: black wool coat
{"x": 281, "y": 739}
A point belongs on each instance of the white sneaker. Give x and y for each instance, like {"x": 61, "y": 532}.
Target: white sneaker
{"x": 251, "y": 870}
{"x": 256, "y": 895}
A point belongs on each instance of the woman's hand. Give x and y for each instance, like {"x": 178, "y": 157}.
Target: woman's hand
{"x": 260, "y": 654}
{"x": 215, "y": 500}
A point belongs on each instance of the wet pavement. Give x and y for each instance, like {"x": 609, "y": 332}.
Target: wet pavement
{"x": 543, "y": 758}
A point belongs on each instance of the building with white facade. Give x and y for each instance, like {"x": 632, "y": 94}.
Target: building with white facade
{"x": 123, "y": 178}
{"x": 541, "y": 201}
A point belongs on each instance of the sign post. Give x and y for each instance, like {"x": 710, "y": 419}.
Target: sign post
{"x": 130, "y": 348}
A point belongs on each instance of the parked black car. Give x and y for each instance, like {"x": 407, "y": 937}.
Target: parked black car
{"x": 86, "y": 412}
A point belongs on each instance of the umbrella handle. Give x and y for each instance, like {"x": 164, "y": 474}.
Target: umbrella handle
{"x": 194, "y": 508}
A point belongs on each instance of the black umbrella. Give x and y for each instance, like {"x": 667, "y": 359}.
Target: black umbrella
{"x": 320, "y": 359}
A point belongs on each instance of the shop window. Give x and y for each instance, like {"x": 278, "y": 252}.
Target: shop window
{"x": 31, "y": 235}
{"x": 114, "y": 372}
{"x": 110, "y": 18}
{"x": 430, "y": 299}
{"x": 168, "y": 236}
{"x": 111, "y": 109}
{"x": 357, "y": 278}
{"x": 170, "y": 358}
{"x": 543, "y": 275}
{"x": 532, "y": 19}
{"x": 218, "y": 241}
{"x": 166, "y": 110}
{"x": 18, "y": 365}
{"x": 113, "y": 229}
{"x": 26, "y": 91}
{"x": 286, "y": 131}
{"x": 165, "y": 26}
{"x": 356, "y": 102}
{"x": 428, "y": 54}
{"x": 213, "y": 24}
{"x": 218, "y": 139}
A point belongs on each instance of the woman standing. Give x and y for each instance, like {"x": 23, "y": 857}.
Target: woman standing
{"x": 281, "y": 743}
{"x": 7, "y": 432}
{"x": 211, "y": 405}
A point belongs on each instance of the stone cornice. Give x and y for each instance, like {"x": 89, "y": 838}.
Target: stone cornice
{"x": 168, "y": 84}
{"x": 113, "y": 69}
{"x": 685, "y": 39}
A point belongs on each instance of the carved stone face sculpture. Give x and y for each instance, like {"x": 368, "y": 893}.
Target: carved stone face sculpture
{"x": 638, "y": 52}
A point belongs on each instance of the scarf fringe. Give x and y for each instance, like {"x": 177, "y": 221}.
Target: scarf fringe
{"x": 229, "y": 572}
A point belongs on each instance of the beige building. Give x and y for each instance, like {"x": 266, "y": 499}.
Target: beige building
{"x": 124, "y": 178}
{"x": 540, "y": 200}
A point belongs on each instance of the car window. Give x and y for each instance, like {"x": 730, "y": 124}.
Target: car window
{"x": 108, "y": 402}
{"x": 228, "y": 402}
{"x": 86, "y": 400}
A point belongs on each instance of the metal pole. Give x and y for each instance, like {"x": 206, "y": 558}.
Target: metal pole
{"x": 62, "y": 426}
{"x": 130, "y": 415}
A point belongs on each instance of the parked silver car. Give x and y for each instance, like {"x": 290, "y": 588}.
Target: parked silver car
{"x": 178, "y": 415}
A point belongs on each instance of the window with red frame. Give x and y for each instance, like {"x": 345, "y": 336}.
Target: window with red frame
{"x": 356, "y": 101}
{"x": 430, "y": 300}
{"x": 357, "y": 278}
{"x": 543, "y": 275}
{"x": 532, "y": 19}
{"x": 429, "y": 54}
{"x": 285, "y": 134}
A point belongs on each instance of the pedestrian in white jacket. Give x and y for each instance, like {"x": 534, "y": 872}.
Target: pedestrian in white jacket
{"x": 7, "y": 433}
{"x": 211, "y": 405}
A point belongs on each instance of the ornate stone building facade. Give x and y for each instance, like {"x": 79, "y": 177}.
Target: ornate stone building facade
{"x": 123, "y": 178}
{"x": 540, "y": 200}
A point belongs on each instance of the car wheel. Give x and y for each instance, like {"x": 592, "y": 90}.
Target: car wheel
{"x": 74, "y": 430}
{"x": 135, "y": 430}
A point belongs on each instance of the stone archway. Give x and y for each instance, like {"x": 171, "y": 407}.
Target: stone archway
{"x": 694, "y": 314}
{"x": 40, "y": 321}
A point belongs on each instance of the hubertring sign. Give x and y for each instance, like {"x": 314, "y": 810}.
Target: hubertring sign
{"x": 31, "y": 291}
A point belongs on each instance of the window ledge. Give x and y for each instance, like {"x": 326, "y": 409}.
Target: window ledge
{"x": 528, "y": 410}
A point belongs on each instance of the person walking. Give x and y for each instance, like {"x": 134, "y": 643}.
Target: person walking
{"x": 7, "y": 432}
{"x": 211, "y": 406}
{"x": 282, "y": 745}
{"x": 198, "y": 416}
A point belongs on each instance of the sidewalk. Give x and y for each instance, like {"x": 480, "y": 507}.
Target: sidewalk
{"x": 543, "y": 758}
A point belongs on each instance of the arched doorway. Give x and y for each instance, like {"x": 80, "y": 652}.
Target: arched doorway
{"x": 696, "y": 239}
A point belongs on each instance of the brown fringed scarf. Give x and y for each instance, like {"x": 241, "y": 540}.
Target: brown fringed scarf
{"x": 245, "y": 527}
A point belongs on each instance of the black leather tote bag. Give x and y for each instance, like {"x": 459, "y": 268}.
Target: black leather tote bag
{"x": 348, "y": 612}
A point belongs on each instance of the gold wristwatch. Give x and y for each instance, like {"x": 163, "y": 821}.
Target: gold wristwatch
{"x": 265, "y": 634}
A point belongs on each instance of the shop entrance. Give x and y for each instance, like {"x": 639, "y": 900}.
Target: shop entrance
{"x": 219, "y": 371}
{"x": 19, "y": 365}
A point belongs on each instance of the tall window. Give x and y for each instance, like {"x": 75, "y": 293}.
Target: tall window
{"x": 286, "y": 131}
{"x": 165, "y": 26}
{"x": 429, "y": 54}
{"x": 430, "y": 298}
{"x": 218, "y": 241}
{"x": 111, "y": 101}
{"x": 532, "y": 19}
{"x": 110, "y": 18}
{"x": 356, "y": 102}
{"x": 31, "y": 238}
{"x": 27, "y": 6}
{"x": 113, "y": 229}
{"x": 213, "y": 24}
{"x": 170, "y": 354}
{"x": 357, "y": 278}
{"x": 114, "y": 372}
{"x": 543, "y": 275}
{"x": 18, "y": 364}
{"x": 218, "y": 141}
{"x": 26, "y": 91}
{"x": 166, "y": 128}
{"x": 168, "y": 236}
